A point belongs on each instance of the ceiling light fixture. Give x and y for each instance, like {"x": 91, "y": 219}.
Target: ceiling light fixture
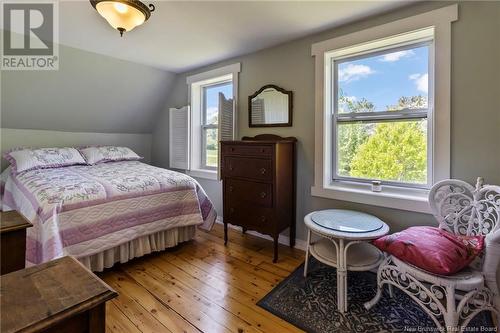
{"x": 123, "y": 15}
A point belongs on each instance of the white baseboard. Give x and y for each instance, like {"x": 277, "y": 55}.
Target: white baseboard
{"x": 285, "y": 240}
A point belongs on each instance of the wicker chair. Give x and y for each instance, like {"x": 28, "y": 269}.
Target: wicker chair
{"x": 452, "y": 301}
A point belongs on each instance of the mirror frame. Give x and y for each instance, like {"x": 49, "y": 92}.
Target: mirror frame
{"x": 290, "y": 106}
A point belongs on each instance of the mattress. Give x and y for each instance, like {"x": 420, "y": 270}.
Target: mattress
{"x": 84, "y": 210}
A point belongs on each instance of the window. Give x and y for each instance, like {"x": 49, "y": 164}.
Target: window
{"x": 213, "y": 103}
{"x": 383, "y": 111}
{"x": 210, "y": 115}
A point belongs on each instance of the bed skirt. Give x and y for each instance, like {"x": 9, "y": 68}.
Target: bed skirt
{"x": 138, "y": 247}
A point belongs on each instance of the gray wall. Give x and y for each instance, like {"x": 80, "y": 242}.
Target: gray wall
{"x": 475, "y": 119}
{"x": 89, "y": 93}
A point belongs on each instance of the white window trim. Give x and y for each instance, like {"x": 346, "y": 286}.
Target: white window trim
{"x": 391, "y": 196}
{"x": 195, "y": 82}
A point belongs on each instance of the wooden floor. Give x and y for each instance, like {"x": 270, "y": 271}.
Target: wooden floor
{"x": 200, "y": 286}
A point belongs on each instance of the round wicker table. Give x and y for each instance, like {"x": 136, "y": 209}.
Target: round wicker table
{"x": 343, "y": 243}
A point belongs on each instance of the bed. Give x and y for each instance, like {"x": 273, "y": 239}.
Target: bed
{"x": 105, "y": 213}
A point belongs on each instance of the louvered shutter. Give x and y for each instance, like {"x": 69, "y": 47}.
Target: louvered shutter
{"x": 226, "y": 122}
{"x": 258, "y": 113}
{"x": 179, "y": 138}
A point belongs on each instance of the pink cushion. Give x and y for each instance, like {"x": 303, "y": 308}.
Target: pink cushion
{"x": 432, "y": 249}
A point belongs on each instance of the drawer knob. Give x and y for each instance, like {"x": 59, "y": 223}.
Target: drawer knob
{"x": 231, "y": 149}
{"x": 263, "y": 171}
{"x": 231, "y": 168}
{"x": 263, "y": 195}
{"x": 231, "y": 189}
{"x": 262, "y": 150}
{"x": 263, "y": 218}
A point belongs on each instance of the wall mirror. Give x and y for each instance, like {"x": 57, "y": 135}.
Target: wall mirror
{"x": 270, "y": 106}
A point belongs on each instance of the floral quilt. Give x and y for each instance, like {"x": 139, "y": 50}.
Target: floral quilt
{"x": 86, "y": 209}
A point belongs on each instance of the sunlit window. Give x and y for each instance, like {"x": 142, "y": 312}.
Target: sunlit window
{"x": 210, "y": 113}
{"x": 381, "y": 106}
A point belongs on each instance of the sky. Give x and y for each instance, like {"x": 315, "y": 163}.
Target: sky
{"x": 213, "y": 99}
{"x": 382, "y": 79}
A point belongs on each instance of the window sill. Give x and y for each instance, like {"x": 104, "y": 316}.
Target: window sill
{"x": 410, "y": 199}
{"x": 201, "y": 173}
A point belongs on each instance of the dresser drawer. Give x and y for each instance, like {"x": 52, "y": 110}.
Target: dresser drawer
{"x": 250, "y": 216}
{"x": 247, "y": 167}
{"x": 260, "y": 194}
{"x": 254, "y": 150}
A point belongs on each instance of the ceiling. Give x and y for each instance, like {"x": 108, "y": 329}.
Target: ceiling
{"x": 183, "y": 35}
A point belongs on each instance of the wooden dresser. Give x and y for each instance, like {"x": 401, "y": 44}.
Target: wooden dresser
{"x": 258, "y": 175}
{"x": 13, "y": 241}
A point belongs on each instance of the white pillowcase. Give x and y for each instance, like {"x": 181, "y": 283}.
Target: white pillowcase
{"x": 94, "y": 155}
{"x": 42, "y": 158}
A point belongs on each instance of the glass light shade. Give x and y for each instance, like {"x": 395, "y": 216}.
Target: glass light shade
{"x": 120, "y": 15}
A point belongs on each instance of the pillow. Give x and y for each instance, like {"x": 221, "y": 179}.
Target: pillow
{"x": 94, "y": 155}
{"x": 432, "y": 249}
{"x": 29, "y": 159}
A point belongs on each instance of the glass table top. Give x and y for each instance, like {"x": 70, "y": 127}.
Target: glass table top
{"x": 346, "y": 221}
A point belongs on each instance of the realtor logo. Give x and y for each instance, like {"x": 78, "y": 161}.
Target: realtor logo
{"x": 30, "y": 35}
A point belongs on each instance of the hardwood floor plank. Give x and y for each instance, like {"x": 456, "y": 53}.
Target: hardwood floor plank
{"x": 267, "y": 270}
{"x": 237, "y": 302}
{"x": 117, "y": 322}
{"x": 252, "y": 270}
{"x": 245, "y": 283}
{"x": 236, "y": 266}
{"x": 125, "y": 285}
{"x": 188, "y": 308}
{"x": 201, "y": 286}
{"x": 282, "y": 273}
{"x": 179, "y": 292}
{"x": 256, "y": 243}
{"x": 236, "y": 236}
{"x": 139, "y": 316}
{"x": 239, "y": 277}
{"x": 247, "y": 255}
{"x": 258, "y": 270}
{"x": 216, "y": 280}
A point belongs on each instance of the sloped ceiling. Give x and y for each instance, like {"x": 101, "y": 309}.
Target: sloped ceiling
{"x": 110, "y": 84}
{"x": 183, "y": 35}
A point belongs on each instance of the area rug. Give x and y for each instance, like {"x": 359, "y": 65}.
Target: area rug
{"x": 311, "y": 305}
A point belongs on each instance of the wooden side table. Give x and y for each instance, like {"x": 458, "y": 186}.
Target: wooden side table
{"x": 13, "y": 241}
{"x": 58, "y": 296}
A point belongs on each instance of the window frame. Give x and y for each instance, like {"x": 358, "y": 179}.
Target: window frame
{"x": 204, "y": 126}
{"x": 204, "y": 165}
{"x": 404, "y": 198}
{"x": 383, "y": 116}
{"x": 195, "y": 83}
